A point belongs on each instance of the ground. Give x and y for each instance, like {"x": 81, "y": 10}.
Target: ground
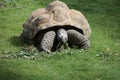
{"x": 100, "y": 62}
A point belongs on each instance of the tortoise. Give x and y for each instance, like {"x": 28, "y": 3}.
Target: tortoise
{"x": 46, "y": 27}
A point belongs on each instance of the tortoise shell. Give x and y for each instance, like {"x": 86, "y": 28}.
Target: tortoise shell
{"x": 54, "y": 16}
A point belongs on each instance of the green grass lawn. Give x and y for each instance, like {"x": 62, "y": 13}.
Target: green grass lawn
{"x": 100, "y": 62}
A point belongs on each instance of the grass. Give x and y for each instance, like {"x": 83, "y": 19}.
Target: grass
{"x": 100, "y": 62}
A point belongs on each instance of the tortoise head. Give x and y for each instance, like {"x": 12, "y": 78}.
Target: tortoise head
{"x": 62, "y": 35}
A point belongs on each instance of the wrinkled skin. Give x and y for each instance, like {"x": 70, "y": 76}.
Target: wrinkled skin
{"x": 78, "y": 39}
{"x": 46, "y": 41}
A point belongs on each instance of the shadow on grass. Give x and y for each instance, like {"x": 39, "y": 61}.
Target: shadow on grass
{"x": 15, "y": 41}
{"x": 7, "y": 75}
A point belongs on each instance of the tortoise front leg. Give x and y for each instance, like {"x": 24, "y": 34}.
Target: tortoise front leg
{"x": 47, "y": 42}
{"x": 78, "y": 39}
